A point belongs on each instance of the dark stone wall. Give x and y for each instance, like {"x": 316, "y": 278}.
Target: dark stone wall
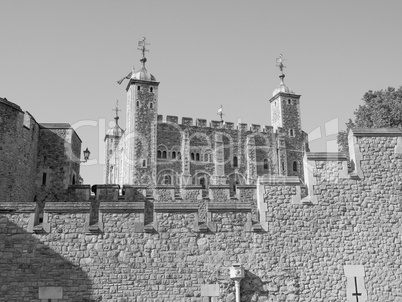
{"x": 18, "y": 150}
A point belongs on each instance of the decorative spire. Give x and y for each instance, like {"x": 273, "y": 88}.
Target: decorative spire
{"x": 279, "y": 63}
{"x": 142, "y": 46}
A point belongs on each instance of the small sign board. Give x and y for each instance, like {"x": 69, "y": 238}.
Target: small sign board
{"x": 50, "y": 292}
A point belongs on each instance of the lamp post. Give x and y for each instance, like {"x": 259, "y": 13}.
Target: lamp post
{"x": 87, "y": 153}
{"x": 236, "y": 274}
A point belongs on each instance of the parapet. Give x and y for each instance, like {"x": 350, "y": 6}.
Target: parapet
{"x": 204, "y": 123}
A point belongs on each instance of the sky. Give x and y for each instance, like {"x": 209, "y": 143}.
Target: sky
{"x": 60, "y": 60}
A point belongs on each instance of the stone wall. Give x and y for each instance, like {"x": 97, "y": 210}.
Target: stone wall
{"x": 296, "y": 241}
{"x": 19, "y": 134}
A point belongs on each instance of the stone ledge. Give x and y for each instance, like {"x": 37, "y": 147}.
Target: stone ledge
{"x": 326, "y": 156}
{"x": 386, "y": 132}
{"x": 229, "y": 207}
{"x": 280, "y": 180}
{"x": 174, "y": 207}
{"x": 121, "y": 207}
{"x": 67, "y": 207}
{"x": 17, "y": 207}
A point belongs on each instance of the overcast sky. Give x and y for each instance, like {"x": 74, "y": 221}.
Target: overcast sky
{"x": 60, "y": 60}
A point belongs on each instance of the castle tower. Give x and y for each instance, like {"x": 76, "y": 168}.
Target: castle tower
{"x": 286, "y": 121}
{"x": 140, "y": 137}
{"x": 112, "y": 152}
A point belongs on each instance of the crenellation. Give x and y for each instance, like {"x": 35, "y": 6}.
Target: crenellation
{"x": 201, "y": 122}
{"x": 255, "y": 128}
{"x": 215, "y": 124}
{"x": 187, "y": 121}
{"x": 172, "y": 119}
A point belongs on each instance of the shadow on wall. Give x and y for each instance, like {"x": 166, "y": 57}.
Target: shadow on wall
{"x": 282, "y": 286}
{"x": 26, "y": 264}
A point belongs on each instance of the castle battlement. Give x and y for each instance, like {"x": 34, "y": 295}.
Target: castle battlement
{"x": 204, "y": 123}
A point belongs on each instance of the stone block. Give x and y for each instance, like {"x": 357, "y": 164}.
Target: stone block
{"x": 106, "y": 192}
{"x": 78, "y": 192}
{"x": 164, "y": 193}
{"x": 209, "y": 290}
{"x": 216, "y": 124}
{"x": 187, "y": 121}
{"x": 219, "y": 192}
{"x": 172, "y": 119}
{"x": 201, "y": 122}
{"x": 135, "y": 193}
{"x": 50, "y": 292}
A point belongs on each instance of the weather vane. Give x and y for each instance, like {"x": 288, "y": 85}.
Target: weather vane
{"x": 142, "y": 46}
{"x": 279, "y": 63}
{"x": 220, "y": 113}
{"x": 117, "y": 108}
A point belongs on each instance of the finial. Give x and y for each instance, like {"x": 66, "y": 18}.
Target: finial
{"x": 117, "y": 111}
{"x": 142, "y": 46}
{"x": 220, "y": 113}
{"x": 279, "y": 63}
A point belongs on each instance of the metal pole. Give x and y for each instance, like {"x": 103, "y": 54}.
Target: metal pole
{"x": 237, "y": 286}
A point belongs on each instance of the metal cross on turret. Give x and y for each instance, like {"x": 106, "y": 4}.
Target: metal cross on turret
{"x": 142, "y": 46}
{"x": 279, "y": 63}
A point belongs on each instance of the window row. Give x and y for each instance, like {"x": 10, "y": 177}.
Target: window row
{"x": 164, "y": 154}
{"x": 151, "y": 89}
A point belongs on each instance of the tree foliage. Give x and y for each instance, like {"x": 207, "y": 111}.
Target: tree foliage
{"x": 380, "y": 109}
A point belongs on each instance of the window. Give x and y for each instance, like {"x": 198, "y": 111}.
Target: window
{"x": 73, "y": 180}
{"x": 151, "y": 89}
{"x": 164, "y": 154}
{"x": 139, "y": 88}
{"x": 159, "y": 154}
{"x": 266, "y": 164}
{"x": 202, "y": 182}
{"x": 173, "y": 154}
{"x": 192, "y": 156}
{"x": 178, "y": 155}
{"x": 295, "y": 166}
{"x": 283, "y": 167}
{"x": 167, "y": 180}
{"x": 151, "y": 105}
{"x": 235, "y": 163}
{"x": 138, "y": 104}
{"x": 110, "y": 151}
{"x": 144, "y": 163}
{"x": 291, "y": 133}
{"x": 40, "y": 217}
{"x": 289, "y": 102}
{"x": 205, "y": 157}
{"x": 44, "y": 176}
{"x": 197, "y": 157}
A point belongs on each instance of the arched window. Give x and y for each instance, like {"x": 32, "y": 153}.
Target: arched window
{"x": 144, "y": 163}
{"x": 73, "y": 181}
{"x": 283, "y": 167}
{"x": 164, "y": 154}
{"x": 192, "y": 156}
{"x": 266, "y": 164}
{"x": 151, "y": 105}
{"x": 235, "y": 163}
{"x": 159, "y": 154}
{"x": 167, "y": 180}
{"x": 197, "y": 157}
{"x": 289, "y": 102}
{"x": 178, "y": 155}
{"x": 202, "y": 182}
{"x": 173, "y": 154}
{"x": 291, "y": 133}
{"x": 211, "y": 158}
{"x": 295, "y": 166}
{"x": 151, "y": 89}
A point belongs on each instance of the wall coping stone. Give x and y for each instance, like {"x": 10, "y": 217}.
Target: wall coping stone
{"x": 111, "y": 186}
{"x": 139, "y": 187}
{"x": 17, "y": 207}
{"x": 67, "y": 207}
{"x": 164, "y": 187}
{"x": 192, "y": 187}
{"x": 326, "y": 156}
{"x": 81, "y": 187}
{"x": 280, "y": 180}
{"x": 242, "y": 187}
{"x": 121, "y": 207}
{"x": 229, "y": 206}
{"x": 174, "y": 207}
{"x": 384, "y": 132}
{"x": 216, "y": 187}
